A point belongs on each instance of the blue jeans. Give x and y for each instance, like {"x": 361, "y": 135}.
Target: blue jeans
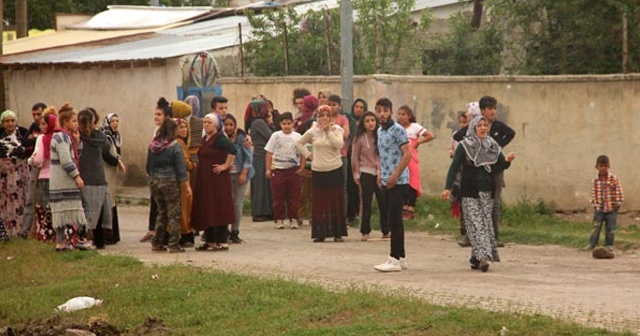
{"x": 610, "y": 221}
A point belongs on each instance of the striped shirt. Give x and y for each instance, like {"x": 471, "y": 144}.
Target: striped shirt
{"x": 606, "y": 193}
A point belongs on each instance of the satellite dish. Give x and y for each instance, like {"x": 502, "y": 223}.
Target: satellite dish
{"x": 204, "y": 70}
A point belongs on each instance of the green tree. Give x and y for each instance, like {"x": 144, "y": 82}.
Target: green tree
{"x": 566, "y": 37}
{"x": 464, "y": 50}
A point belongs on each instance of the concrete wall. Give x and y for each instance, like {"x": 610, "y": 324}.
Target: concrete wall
{"x": 562, "y": 123}
{"x": 132, "y": 92}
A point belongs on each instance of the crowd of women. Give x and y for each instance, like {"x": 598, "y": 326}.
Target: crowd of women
{"x": 58, "y": 177}
{"x": 319, "y": 162}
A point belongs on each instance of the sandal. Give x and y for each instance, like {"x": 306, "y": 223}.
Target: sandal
{"x": 211, "y": 248}
{"x": 147, "y": 238}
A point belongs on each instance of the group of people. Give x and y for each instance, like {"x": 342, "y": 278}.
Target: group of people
{"x": 58, "y": 177}
{"x": 317, "y": 162}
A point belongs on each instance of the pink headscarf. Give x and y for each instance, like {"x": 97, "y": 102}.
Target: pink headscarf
{"x": 52, "y": 121}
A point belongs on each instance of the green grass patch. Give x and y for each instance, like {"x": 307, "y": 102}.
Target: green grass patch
{"x": 196, "y": 301}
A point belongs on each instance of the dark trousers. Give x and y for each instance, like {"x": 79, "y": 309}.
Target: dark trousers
{"x": 353, "y": 193}
{"x": 217, "y": 234}
{"x": 496, "y": 214}
{"x": 394, "y": 200}
{"x": 153, "y": 213}
{"x": 286, "y": 187}
{"x": 412, "y": 195}
{"x": 610, "y": 221}
{"x": 369, "y": 187}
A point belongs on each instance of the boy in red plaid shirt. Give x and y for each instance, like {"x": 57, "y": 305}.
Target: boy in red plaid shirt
{"x": 606, "y": 198}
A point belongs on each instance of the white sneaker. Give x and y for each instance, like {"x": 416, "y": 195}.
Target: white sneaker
{"x": 280, "y": 225}
{"x": 293, "y": 224}
{"x": 403, "y": 263}
{"x": 392, "y": 265}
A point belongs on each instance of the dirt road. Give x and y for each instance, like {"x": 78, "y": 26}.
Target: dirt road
{"x": 551, "y": 280}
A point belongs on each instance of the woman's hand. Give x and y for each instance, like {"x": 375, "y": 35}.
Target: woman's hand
{"x": 122, "y": 167}
{"x": 242, "y": 178}
{"x": 510, "y": 157}
{"x": 219, "y": 168}
{"x": 79, "y": 182}
{"x": 446, "y": 194}
{"x": 356, "y": 180}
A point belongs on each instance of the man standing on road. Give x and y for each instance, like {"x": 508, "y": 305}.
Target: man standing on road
{"x": 503, "y": 135}
{"x": 393, "y": 146}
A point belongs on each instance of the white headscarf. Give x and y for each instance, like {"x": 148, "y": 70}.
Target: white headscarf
{"x": 483, "y": 152}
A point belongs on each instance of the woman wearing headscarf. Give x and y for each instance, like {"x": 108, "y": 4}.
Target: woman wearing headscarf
{"x": 212, "y": 209}
{"x": 14, "y": 173}
{"x": 261, "y": 206}
{"x": 111, "y": 128}
{"x": 41, "y": 159}
{"x": 479, "y": 156}
{"x": 327, "y": 179}
{"x": 186, "y": 231}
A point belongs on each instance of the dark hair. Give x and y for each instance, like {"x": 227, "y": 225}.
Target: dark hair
{"x": 384, "y": 102}
{"x": 269, "y": 102}
{"x": 300, "y": 93}
{"x": 487, "y": 101}
{"x": 360, "y": 129}
{"x": 218, "y": 99}
{"x": 65, "y": 114}
{"x": 96, "y": 117}
{"x": 167, "y": 130}
{"x": 409, "y": 111}
{"x": 602, "y": 159}
{"x": 163, "y": 105}
{"x": 38, "y": 106}
{"x": 335, "y": 98}
{"x": 85, "y": 121}
{"x": 235, "y": 122}
{"x": 285, "y": 116}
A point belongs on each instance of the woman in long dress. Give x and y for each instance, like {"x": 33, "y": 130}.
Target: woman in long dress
{"x": 14, "y": 173}
{"x": 328, "y": 218}
{"x": 212, "y": 208}
{"x": 261, "y": 206}
{"x": 111, "y": 128}
{"x": 479, "y": 156}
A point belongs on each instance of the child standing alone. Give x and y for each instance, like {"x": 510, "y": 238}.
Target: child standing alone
{"x": 606, "y": 198}
{"x": 284, "y": 170}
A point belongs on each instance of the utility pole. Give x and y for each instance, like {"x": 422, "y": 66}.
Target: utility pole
{"x": 346, "y": 52}
{"x": 21, "y": 19}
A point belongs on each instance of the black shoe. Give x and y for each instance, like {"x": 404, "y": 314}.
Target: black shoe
{"x": 475, "y": 263}
{"x": 318, "y": 240}
{"x": 338, "y": 239}
{"x": 234, "y": 237}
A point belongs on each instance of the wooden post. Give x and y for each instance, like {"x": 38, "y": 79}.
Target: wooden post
{"x": 327, "y": 40}
{"x": 21, "y": 19}
{"x": 378, "y": 34}
{"x": 286, "y": 50}
{"x": 241, "y": 50}
{"x": 625, "y": 44}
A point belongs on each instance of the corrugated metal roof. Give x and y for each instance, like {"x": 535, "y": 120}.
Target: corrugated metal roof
{"x": 208, "y": 35}
{"x": 139, "y": 17}
{"x": 188, "y": 39}
{"x": 64, "y": 38}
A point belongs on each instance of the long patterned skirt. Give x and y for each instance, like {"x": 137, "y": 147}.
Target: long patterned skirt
{"x": 477, "y": 220}
{"x": 328, "y": 217}
{"x": 14, "y": 180}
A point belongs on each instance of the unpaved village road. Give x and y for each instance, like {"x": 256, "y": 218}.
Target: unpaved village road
{"x": 556, "y": 281}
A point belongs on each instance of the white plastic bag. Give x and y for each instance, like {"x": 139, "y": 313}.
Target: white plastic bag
{"x": 77, "y": 303}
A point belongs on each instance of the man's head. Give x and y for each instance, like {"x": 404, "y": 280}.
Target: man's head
{"x": 602, "y": 165}
{"x": 36, "y": 112}
{"x": 298, "y": 98}
{"x": 384, "y": 110}
{"x": 488, "y": 106}
{"x": 220, "y": 106}
{"x": 334, "y": 103}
